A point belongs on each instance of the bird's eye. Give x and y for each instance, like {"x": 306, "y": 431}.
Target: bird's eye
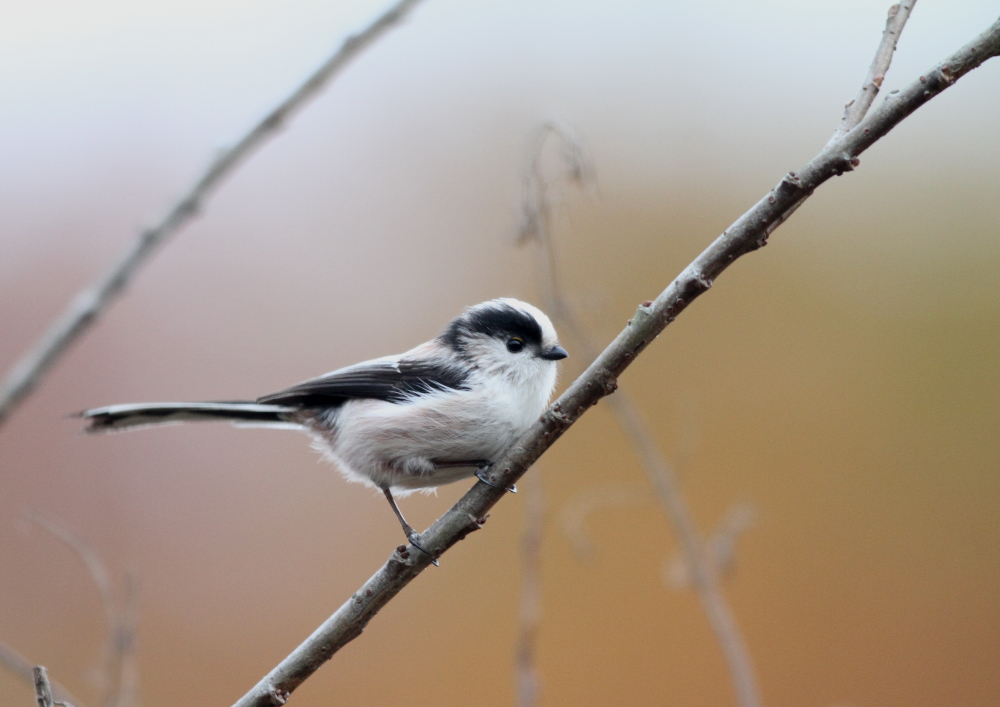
{"x": 515, "y": 345}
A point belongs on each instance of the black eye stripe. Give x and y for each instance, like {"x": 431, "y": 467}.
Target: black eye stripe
{"x": 497, "y": 320}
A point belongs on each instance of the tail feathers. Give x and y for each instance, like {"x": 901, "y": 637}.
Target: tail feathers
{"x": 117, "y": 417}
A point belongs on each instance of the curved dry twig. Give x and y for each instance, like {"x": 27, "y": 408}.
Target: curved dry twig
{"x": 530, "y": 615}
{"x": 92, "y": 301}
{"x": 746, "y": 235}
{"x": 702, "y": 571}
{"x": 575, "y": 511}
{"x": 118, "y": 664}
{"x": 720, "y": 548}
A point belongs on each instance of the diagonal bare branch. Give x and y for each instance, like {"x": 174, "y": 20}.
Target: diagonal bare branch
{"x": 91, "y": 302}
{"x": 747, "y": 234}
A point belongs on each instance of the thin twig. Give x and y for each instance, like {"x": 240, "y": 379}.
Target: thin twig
{"x": 528, "y": 684}
{"x": 747, "y": 234}
{"x": 125, "y": 670}
{"x": 720, "y": 548}
{"x": 575, "y": 511}
{"x": 91, "y": 302}
{"x": 703, "y": 573}
{"x": 24, "y": 669}
{"x": 118, "y": 671}
{"x": 102, "y": 580}
{"x": 43, "y": 691}
{"x": 856, "y": 109}
{"x": 535, "y": 218}
{"x": 43, "y": 688}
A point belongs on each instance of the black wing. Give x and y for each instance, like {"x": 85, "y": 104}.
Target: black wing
{"x": 383, "y": 379}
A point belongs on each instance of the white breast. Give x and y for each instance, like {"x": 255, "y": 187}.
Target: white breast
{"x": 396, "y": 444}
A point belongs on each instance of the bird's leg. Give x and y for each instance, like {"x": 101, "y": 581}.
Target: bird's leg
{"x": 411, "y": 535}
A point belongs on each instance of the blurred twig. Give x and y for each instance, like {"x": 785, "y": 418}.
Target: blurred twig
{"x": 720, "y": 548}
{"x": 748, "y": 233}
{"x": 118, "y": 664}
{"x": 575, "y": 511}
{"x": 530, "y": 615}
{"x": 93, "y": 300}
{"x": 535, "y": 214}
{"x": 704, "y": 575}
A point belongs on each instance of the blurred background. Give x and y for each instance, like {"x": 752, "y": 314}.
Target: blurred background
{"x": 843, "y": 381}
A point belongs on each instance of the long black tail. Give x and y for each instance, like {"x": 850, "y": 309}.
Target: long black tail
{"x": 117, "y": 417}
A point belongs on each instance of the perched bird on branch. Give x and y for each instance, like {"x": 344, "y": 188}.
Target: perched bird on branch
{"x": 440, "y": 412}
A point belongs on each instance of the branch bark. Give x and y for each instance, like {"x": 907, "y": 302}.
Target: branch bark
{"x": 43, "y": 688}
{"x": 91, "y": 302}
{"x": 43, "y": 691}
{"x": 856, "y": 109}
{"x": 746, "y": 235}
{"x": 24, "y": 669}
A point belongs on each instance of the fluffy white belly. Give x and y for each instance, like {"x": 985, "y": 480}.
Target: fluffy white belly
{"x": 400, "y": 446}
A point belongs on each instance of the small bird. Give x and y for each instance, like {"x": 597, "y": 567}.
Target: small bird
{"x": 441, "y": 412}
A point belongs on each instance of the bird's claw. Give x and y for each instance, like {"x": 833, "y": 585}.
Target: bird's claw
{"x": 413, "y": 537}
{"x": 481, "y": 475}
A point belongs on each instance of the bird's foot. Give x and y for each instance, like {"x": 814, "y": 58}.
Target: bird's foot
{"x": 481, "y": 475}
{"x": 413, "y": 537}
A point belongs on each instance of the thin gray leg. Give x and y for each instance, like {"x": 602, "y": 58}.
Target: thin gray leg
{"x": 411, "y": 535}
{"x": 407, "y": 528}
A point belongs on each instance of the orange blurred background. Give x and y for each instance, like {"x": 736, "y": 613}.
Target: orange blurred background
{"x": 844, "y": 381}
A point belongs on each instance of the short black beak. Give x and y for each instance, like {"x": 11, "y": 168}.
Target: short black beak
{"x": 556, "y": 353}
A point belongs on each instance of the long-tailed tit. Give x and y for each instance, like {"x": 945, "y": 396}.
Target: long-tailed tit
{"x": 438, "y": 413}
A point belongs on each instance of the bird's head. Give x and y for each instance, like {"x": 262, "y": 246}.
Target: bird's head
{"x": 509, "y": 338}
